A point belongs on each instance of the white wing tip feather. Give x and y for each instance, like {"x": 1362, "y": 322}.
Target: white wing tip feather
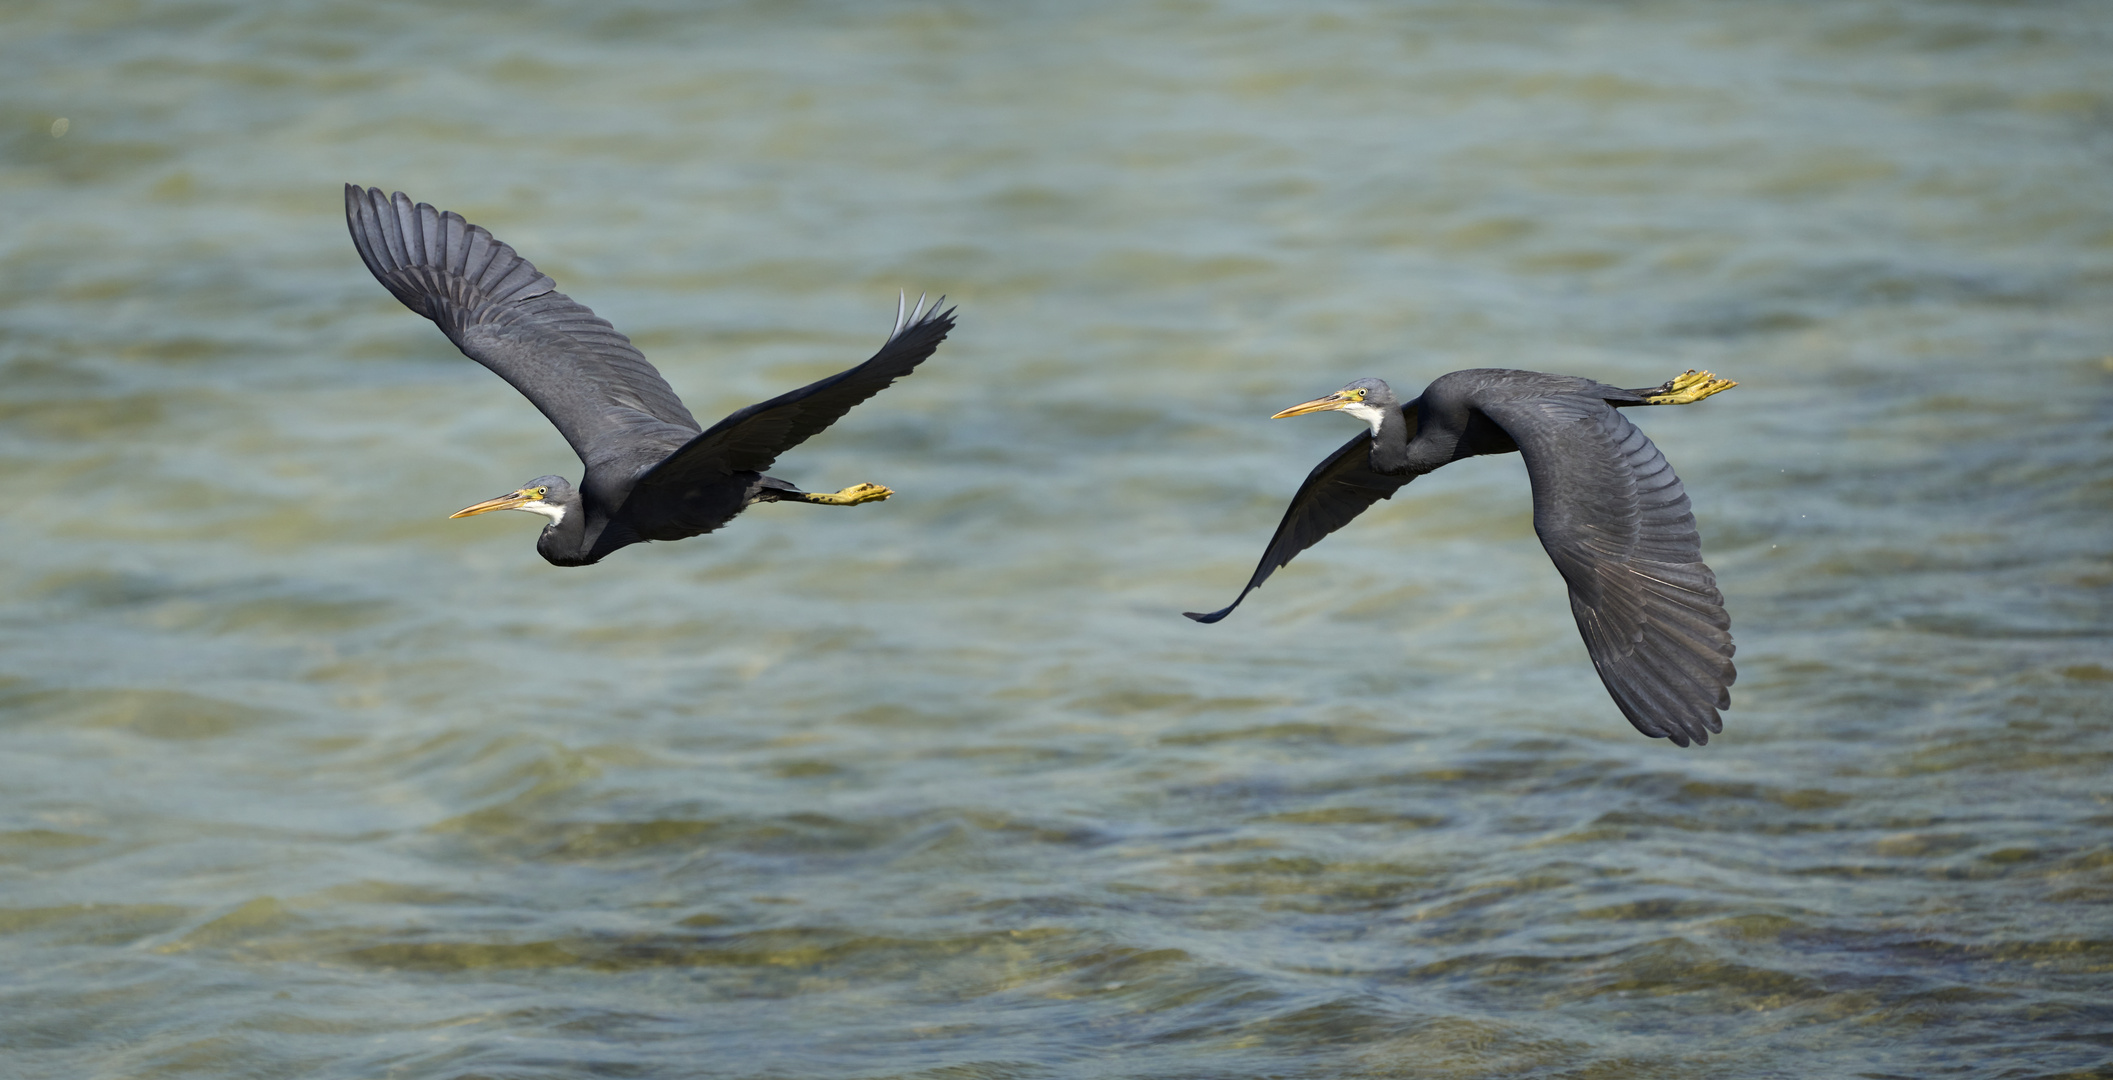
{"x": 908, "y": 315}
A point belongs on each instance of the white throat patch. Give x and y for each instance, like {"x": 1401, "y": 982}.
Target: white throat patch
{"x": 1369, "y": 413}
{"x": 552, "y": 511}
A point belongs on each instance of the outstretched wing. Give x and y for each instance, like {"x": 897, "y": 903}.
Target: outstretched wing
{"x": 751, "y": 439}
{"x": 587, "y": 378}
{"x": 1616, "y": 521}
{"x": 1338, "y": 489}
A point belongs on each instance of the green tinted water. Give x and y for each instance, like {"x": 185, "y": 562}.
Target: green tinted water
{"x": 302, "y": 779}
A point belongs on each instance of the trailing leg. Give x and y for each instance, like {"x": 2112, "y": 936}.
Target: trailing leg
{"x": 1685, "y": 389}
{"x": 850, "y": 496}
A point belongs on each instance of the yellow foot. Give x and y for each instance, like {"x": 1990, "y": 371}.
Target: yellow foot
{"x": 1688, "y": 388}
{"x": 851, "y": 496}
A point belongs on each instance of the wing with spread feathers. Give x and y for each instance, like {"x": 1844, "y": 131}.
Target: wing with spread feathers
{"x": 587, "y": 378}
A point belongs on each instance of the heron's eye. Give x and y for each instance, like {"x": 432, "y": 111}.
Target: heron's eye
{"x": 1355, "y": 395}
{"x": 539, "y": 492}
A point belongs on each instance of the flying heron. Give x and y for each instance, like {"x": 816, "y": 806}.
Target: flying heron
{"x": 1605, "y": 503}
{"x": 652, "y": 472}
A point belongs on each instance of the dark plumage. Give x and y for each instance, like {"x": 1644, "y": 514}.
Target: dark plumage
{"x": 652, "y": 473}
{"x": 1605, "y": 503}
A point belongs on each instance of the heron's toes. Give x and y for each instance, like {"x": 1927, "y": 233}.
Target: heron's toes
{"x": 1689, "y": 387}
{"x": 853, "y": 495}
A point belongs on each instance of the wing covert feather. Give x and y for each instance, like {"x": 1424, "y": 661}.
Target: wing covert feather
{"x": 595, "y": 387}
{"x": 1617, "y": 523}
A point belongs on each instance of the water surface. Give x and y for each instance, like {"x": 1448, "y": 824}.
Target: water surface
{"x": 304, "y": 780}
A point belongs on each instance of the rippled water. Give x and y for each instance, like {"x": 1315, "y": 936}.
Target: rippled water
{"x": 302, "y": 779}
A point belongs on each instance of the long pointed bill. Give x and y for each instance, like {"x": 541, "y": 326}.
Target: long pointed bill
{"x": 1320, "y": 404}
{"x": 503, "y": 502}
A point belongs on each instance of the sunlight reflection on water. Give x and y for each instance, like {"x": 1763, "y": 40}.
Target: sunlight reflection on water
{"x": 306, "y": 780}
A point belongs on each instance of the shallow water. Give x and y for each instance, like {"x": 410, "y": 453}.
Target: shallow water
{"x": 304, "y": 780}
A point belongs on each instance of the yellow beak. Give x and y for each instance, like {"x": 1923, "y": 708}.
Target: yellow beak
{"x": 1321, "y": 404}
{"x": 503, "y": 502}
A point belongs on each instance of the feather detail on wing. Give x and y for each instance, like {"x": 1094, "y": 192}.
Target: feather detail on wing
{"x": 588, "y": 379}
{"x": 751, "y": 439}
{"x": 1341, "y": 487}
{"x": 1616, "y": 521}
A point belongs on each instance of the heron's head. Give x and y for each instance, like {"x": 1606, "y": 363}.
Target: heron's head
{"x": 1367, "y": 399}
{"x": 550, "y": 496}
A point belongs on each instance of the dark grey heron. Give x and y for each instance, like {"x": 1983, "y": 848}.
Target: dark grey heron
{"x": 652, "y": 472}
{"x": 1605, "y": 503}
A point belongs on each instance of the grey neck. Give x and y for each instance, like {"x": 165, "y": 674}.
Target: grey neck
{"x": 565, "y": 542}
{"x": 1390, "y": 439}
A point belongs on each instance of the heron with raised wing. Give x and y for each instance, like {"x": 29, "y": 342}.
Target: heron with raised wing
{"x": 1606, "y": 505}
{"x": 652, "y": 472}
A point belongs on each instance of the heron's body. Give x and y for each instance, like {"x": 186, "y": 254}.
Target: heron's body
{"x": 1607, "y": 507}
{"x": 652, "y": 472}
